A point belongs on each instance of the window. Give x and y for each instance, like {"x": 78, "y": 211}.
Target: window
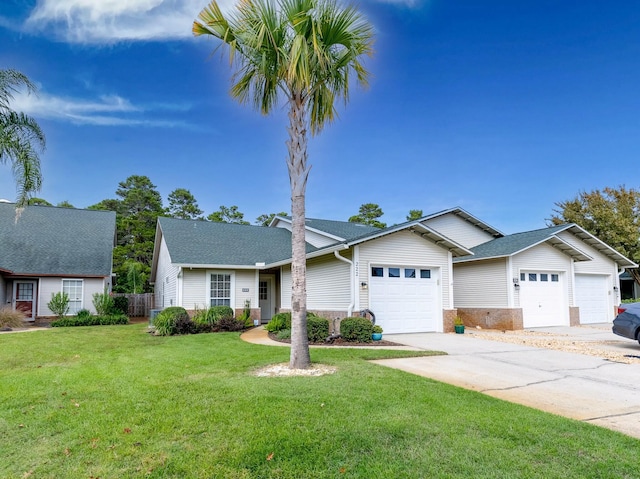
{"x": 262, "y": 291}
{"x": 377, "y": 272}
{"x": 533, "y": 277}
{"x": 25, "y": 292}
{"x": 523, "y": 277}
{"x": 554, "y": 278}
{"x": 220, "y": 289}
{"x": 409, "y": 273}
{"x": 544, "y": 277}
{"x": 425, "y": 273}
{"x": 73, "y": 288}
{"x": 394, "y": 272}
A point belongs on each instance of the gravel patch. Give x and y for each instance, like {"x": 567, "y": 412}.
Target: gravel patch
{"x": 555, "y": 341}
{"x": 283, "y": 369}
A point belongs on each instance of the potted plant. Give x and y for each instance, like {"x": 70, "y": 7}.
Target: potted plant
{"x": 458, "y": 325}
{"x": 377, "y": 333}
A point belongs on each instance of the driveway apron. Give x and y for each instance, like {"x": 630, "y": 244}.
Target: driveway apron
{"x": 577, "y": 386}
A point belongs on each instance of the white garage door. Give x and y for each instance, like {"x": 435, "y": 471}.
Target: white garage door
{"x": 405, "y": 299}
{"x": 592, "y": 297}
{"x": 543, "y": 299}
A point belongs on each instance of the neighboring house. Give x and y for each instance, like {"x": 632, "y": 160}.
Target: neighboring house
{"x": 415, "y": 276}
{"x": 561, "y": 275}
{"x": 402, "y": 273}
{"x": 629, "y": 289}
{"x": 49, "y": 250}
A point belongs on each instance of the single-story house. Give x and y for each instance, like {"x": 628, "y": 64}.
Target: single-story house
{"x": 49, "y": 250}
{"x": 415, "y": 276}
{"x": 402, "y": 273}
{"x": 553, "y": 276}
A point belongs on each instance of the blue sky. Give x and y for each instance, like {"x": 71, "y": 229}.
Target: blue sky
{"x": 500, "y": 107}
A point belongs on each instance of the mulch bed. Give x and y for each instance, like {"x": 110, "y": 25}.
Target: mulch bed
{"x": 340, "y": 342}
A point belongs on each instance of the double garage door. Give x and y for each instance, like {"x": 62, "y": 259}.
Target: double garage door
{"x": 405, "y": 299}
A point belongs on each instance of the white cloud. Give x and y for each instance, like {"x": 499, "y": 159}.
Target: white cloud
{"x": 111, "y": 21}
{"x": 110, "y": 110}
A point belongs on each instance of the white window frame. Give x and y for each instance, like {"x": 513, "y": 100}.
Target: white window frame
{"x": 232, "y": 287}
{"x": 73, "y": 301}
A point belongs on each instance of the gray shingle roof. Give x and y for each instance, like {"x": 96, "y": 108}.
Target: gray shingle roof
{"x": 511, "y": 244}
{"x": 56, "y": 241}
{"x": 207, "y": 243}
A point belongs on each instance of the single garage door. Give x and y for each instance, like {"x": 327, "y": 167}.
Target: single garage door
{"x": 592, "y": 297}
{"x": 405, "y": 299}
{"x": 543, "y": 299}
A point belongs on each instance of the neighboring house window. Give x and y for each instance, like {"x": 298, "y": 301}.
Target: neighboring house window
{"x": 220, "y": 290}
{"x": 73, "y": 288}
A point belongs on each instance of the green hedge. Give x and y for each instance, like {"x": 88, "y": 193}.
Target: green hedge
{"x": 357, "y": 330}
{"x": 317, "y": 329}
{"x": 84, "y": 320}
{"x": 166, "y": 323}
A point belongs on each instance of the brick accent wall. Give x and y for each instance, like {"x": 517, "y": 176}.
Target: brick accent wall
{"x": 574, "y": 316}
{"x": 492, "y": 318}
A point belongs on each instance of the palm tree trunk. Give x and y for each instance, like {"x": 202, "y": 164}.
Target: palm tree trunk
{"x": 298, "y": 174}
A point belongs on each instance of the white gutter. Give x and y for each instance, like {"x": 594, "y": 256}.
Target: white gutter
{"x": 351, "y": 294}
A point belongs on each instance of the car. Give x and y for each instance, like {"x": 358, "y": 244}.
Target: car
{"x": 627, "y": 323}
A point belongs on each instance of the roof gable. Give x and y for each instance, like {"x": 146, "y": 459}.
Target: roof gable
{"x": 518, "y": 242}
{"x": 56, "y": 241}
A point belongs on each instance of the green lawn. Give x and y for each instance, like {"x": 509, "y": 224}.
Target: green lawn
{"x": 115, "y": 402}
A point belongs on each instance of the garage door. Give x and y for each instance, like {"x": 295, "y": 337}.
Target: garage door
{"x": 543, "y": 299}
{"x": 592, "y": 297}
{"x": 405, "y": 299}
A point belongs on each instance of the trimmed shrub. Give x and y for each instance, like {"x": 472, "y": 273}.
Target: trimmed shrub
{"x": 90, "y": 321}
{"x": 59, "y": 304}
{"x": 10, "y": 318}
{"x": 284, "y": 334}
{"x": 228, "y": 323}
{"x": 357, "y": 330}
{"x": 103, "y": 302}
{"x": 120, "y": 305}
{"x": 83, "y": 313}
{"x": 317, "y": 329}
{"x": 166, "y": 321}
{"x": 279, "y": 322}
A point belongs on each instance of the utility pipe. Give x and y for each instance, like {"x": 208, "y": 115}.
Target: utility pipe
{"x": 352, "y": 296}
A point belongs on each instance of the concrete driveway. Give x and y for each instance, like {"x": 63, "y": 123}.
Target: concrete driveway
{"x": 578, "y": 386}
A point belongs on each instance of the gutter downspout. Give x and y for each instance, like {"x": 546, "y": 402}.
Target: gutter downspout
{"x": 351, "y": 295}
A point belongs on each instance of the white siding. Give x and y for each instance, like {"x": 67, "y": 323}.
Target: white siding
{"x": 404, "y": 249}
{"x": 165, "y": 288}
{"x": 459, "y": 230}
{"x": 194, "y": 289}
{"x": 316, "y": 239}
{"x": 544, "y": 257}
{"x": 285, "y": 288}
{"x": 328, "y": 284}
{"x": 48, "y": 286}
{"x": 481, "y": 284}
{"x": 600, "y": 264}
{"x": 245, "y": 279}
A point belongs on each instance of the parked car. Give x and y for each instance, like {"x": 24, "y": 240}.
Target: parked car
{"x": 627, "y": 323}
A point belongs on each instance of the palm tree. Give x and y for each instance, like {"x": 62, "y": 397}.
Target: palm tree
{"x": 20, "y": 137}
{"x": 304, "y": 52}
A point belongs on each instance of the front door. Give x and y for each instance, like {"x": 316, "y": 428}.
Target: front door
{"x": 265, "y": 295}
{"x": 24, "y": 298}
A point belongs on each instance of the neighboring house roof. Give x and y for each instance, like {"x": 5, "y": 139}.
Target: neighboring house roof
{"x": 206, "y": 243}
{"x": 467, "y": 217}
{"x": 50, "y": 241}
{"x": 338, "y": 230}
{"x": 518, "y": 242}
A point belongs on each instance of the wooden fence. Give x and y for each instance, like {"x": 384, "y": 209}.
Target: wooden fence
{"x": 140, "y": 305}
